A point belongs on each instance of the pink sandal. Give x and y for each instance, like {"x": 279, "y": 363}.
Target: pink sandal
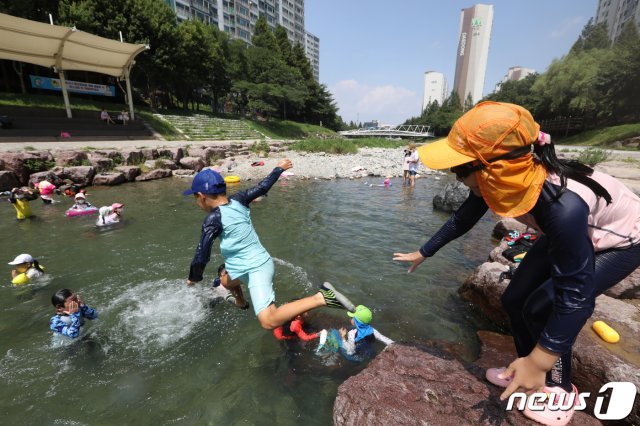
{"x": 492, "y": 376}
{"x": 553, "y": 417}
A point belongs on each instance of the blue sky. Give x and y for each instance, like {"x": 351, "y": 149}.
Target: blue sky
{"x": 373, "y": 53}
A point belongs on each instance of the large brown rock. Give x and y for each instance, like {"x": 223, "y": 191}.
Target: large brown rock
{"x": 8, "y": 180}
{"x": 595, "y": 362}
{"x": 25, "y": 163}
{"x": 80, "y": 175}
{"x": 484, "y": 290}
{"x": 132, "y": 157}
{"x": 130, "y": 172}
{"x": 109, "y": 178}
{"x": 451, "y": 197}
{"x": 71, "y": 158}
{"x": 192, "y": 163}
{"x": 101, "y": 164}
{"x": 410, "y": 386}
{"x": 154, "y": 174}
{"x": 629, "y": 288}
{"x": 149, "y": 153}
{"x": 174, "y": 154}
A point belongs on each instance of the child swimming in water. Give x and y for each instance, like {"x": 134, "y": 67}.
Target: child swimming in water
{"x": 245, "y": 258}
{"x": 357, "y": 341}
{"x": 19, "y": 198}
{"x": 108, "y": 215}
{"x": 27, "y": 265}
{"x": 81, "y": 202}
{"x": 294, "y": 329}
{"x": 70, "y": 313}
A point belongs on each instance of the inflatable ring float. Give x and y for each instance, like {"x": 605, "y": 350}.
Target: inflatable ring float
{"x": 81, "y": 212}
{"x": 232, "y": 179}
{"x": 20, "y": 279}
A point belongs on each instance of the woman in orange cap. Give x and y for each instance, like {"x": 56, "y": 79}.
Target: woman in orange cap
{"x": 590, "y": 226}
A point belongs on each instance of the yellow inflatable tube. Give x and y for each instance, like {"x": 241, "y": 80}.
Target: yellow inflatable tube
{"x": 232, "y": 179}
{"x": 20, "y": 279}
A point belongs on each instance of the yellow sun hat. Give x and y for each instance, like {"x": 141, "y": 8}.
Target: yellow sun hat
{"x": 488, "y": 130}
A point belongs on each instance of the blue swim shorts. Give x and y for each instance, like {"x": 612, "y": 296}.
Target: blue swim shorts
{"x": 260, "y": 283}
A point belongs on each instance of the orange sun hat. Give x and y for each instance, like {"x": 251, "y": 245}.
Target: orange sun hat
{"x": 510, "y": 186}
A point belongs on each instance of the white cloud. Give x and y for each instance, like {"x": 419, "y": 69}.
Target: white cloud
{"x": 388, "y": 104}
{"x": 568, "y": 26}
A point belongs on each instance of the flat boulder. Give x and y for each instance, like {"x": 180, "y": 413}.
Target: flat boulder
{"x": 70, "y": 158}
{"x": 154, "y": 174}
{"x": 101, "y": 164}
{"x": 109, "y": 178}
{"x": 80, "y": 175}
{"x": 192, "y": 163}
{"x": 132, "y": 157}
{"x": 130, "y": 172}
{"x": 412, "y": 386}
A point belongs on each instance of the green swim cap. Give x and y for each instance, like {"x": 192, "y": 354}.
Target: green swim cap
{"x": 362, "y": 314}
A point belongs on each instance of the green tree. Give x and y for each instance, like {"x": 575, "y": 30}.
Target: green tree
{"x": 593, "y": 36}
{"x": 263, "y": 36}
{"x": 619, "y": 79}
{"x": 284, "y": 45}
{"x": 36, "y": 10}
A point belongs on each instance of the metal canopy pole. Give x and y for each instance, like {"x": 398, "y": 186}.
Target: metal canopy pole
{"x": 65, "y": 95}
{"x": 129, "y": 98}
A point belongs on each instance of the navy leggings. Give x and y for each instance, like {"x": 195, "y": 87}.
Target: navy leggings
{"x": 528, "y": 300}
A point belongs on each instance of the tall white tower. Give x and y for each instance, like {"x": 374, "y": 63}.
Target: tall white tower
{"x": 435, "y": 88}
{"x": 473, "y": 51}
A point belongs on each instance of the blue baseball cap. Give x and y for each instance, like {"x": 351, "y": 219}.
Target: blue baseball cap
{"x": 207, "y": 182}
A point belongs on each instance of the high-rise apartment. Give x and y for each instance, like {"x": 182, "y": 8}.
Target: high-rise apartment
{"x": 473, "y": 51}
{"x": 616, "y": 13}
{"x": 435, "y": 89}
{"x": 238, "y": 17}
{"x": 312, "y": 49}
{"x": 514, "y": 74}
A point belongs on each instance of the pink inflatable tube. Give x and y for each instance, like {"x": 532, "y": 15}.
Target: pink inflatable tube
{"x": 78, "y": 212}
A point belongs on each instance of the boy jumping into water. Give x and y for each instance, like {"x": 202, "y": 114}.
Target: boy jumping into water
{"x": 245, "y": 258}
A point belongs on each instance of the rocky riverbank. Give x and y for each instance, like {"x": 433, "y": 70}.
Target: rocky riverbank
{"x": 405, "y": 383}
{"x": 110, "y": 166}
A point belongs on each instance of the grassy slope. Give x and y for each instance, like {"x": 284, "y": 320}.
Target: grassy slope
{"x": 602, "y": 137}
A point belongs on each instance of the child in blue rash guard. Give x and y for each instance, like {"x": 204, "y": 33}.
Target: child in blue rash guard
{"x": 70, "y": 313}
{"x": 246, "y": 259}
{"x": 356, "y": 343}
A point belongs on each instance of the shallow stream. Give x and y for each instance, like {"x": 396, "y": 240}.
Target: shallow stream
{"x": 161, "y": 352}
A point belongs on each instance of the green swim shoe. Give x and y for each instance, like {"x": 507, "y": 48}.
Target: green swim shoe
{"x": 334, "y": 299}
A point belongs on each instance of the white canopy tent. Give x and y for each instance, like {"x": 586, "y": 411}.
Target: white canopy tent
{"x": 63, "y": 48}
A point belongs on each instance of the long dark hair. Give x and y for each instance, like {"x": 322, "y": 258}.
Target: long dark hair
{"x": 37, "y": 265}
{"x": 569, "y": 169}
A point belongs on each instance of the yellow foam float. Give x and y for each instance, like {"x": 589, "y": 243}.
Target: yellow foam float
{"x": 605, "y": 332}
{"x": 232, "y": 179}
{"x": 20, "y": 279}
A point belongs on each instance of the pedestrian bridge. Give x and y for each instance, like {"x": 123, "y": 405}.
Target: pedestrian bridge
{"x": 402, "y": 131}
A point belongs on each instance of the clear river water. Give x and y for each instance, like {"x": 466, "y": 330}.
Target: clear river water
{"x": 164, "y": 353}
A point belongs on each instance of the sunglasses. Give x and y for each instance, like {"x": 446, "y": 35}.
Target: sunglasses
{"x": 464, "y": 170}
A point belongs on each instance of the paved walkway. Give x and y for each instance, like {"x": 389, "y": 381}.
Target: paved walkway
{"x": 144, "y": 143}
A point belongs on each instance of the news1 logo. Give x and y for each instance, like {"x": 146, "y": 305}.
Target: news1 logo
{"x": 621, "y": 397}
